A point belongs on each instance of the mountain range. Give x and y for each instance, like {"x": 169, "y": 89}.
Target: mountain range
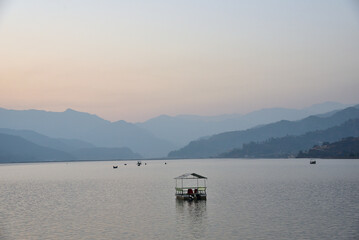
{"x": 17, "y": 149}
{"x": 71, "y": 124}
{"x": 182, "y": 129}
{"x": 290, "y": 146}
{"x": 79, "y": 135}
{"x": 61, "y": 144}
{"x": 225, "y": 142}
{"x": 29, "y": 146}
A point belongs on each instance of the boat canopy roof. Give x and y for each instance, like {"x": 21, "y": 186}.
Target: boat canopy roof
{"x": 191, "y": 176}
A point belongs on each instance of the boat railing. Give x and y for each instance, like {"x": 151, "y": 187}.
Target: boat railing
{"x": 184, "y": 190}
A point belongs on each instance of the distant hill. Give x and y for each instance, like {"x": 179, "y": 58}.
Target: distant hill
{"x": 346, "y": 148}
{"x": 182, "y": 129}
{"x": 86, "y": 127}
{"x": 29, "y": 146}
{"x": 289, "y": 146}
{"x": 151, "y": 139}
{"x": 62, "y": 144}
{"x": 17, "y": 149}
{"x": 224, "y": 142}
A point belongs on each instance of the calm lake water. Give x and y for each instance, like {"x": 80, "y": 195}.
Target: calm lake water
{"x": 247, "y": 199}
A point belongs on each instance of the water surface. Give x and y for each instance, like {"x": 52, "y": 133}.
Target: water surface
{"x": 247, "y": 199}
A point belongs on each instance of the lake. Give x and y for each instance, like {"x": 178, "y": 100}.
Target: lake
{"x": 247, "y": 199}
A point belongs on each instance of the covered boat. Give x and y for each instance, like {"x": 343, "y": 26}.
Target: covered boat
{"x": 191, "y": 186}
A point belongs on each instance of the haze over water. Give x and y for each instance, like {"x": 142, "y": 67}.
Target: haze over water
{"x": 247, "y": 199}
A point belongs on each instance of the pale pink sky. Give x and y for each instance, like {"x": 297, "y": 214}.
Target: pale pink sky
{"x": 134, "y": 60}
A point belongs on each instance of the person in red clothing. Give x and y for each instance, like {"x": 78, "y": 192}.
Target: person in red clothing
{"x": 190, "y": 191}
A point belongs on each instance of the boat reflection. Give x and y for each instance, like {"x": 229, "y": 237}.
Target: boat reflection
{"x": 191, "y": 218}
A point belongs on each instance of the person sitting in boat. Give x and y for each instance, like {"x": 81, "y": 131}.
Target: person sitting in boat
{"x": 190, "y": 191}
{"x": 198, "y": 196}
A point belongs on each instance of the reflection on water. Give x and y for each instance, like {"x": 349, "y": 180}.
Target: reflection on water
{"x": 192, "y": 215}
{"x": 247, "y": 199}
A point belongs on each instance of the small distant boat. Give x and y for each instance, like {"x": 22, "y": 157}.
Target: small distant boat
{"x": 191, "y": 186}
{"x": 313, "y": 162}
{"x": 115, "y": 166}
{"x": 139, "y": 163}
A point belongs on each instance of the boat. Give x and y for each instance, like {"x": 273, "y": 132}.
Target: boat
{"x": 115, "y": 166}
{"x": 313, "y": 161}
{"x": 191, "y": 186}
{"x": 139, "y": 163}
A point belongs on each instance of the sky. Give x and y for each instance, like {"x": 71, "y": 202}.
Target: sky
{"x": 134, "y": 60}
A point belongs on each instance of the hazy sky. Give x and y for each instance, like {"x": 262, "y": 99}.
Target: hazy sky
{"x": 134, "y": 60}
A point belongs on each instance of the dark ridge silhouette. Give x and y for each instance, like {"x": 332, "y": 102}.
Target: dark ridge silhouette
{"x": 224, "y": 142}
{"x": 346, "y": 148}
{"x": 289, "y": 146}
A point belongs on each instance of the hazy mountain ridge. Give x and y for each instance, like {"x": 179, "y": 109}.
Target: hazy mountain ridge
{"x": 17, "y": 149}
{"x": 182, "y": 129}
{"x": 61, "y": 144}
{"x": 290, "y": 146}
{"x": 71, "y": 130}
{"x": 87, "y": 127}
{"x": 227, "y": 141}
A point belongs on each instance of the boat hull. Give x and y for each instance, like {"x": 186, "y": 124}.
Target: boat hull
{"x": 191, "y": 197}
